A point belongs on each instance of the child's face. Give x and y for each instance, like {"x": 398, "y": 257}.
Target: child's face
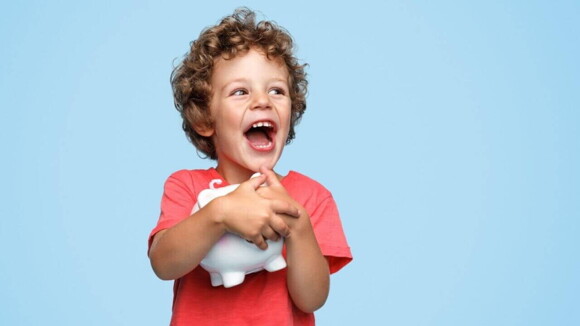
{"x": 251, "y": 108}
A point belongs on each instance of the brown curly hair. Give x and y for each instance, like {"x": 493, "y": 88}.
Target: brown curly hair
{"x": 235, "y": 34}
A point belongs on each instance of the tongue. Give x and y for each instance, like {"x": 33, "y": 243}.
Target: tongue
{"x": 257, "y": 137}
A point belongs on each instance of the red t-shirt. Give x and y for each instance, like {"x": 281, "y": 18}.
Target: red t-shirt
{"x": 262, "y": 299}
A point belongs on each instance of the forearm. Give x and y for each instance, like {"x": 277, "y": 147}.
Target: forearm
{"x": 308, "y": 273}
{"x": 178, "y": 250}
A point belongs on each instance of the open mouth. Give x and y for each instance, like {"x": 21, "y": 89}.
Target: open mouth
{"x": 260, "y": 135}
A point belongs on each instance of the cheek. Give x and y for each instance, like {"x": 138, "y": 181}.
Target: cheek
{"x": 285, "y": 109}
{"x": 226, "y": 122}
{"x": 286, "y": 128}
{"x": 288, "y": 117}
{"x": 288, "y": 122}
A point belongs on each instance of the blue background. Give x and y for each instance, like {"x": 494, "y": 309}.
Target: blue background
{"x": 447, "y": 131}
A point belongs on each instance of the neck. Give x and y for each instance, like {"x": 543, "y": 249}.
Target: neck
{"x": 234, "y": 175}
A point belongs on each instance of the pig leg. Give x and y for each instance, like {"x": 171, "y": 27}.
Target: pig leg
{"x": 275, "y": 263}
{"x": 232, "y": 278}
{"x": 216, "y": 279}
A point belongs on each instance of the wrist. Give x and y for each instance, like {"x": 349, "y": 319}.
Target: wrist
{"x": 217, "y": 210}
{"x": 301, "y": 228}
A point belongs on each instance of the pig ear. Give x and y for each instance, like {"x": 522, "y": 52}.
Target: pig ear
{"x": 203, "y": 198}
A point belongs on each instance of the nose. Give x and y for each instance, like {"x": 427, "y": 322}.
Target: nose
{"x": 261, "y": 101}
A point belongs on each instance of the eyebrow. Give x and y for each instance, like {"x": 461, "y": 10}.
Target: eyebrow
{"x": 237, "y": 80}
{"x": 280, "y": 80}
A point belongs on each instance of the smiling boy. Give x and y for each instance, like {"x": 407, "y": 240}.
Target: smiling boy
{"x": 251, "y": 111}
{"x": 240, "y": 92}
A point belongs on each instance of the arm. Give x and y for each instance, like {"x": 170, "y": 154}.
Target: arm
{"x": 308, "y": 273}
{"x": 176, "y": 251}
{"x": 308, "y": 277}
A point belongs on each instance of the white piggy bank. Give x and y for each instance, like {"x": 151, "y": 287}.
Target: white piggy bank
{"x": 232, "y": 257}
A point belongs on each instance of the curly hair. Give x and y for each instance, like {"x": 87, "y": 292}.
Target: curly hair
{"x": 235, "y": 34}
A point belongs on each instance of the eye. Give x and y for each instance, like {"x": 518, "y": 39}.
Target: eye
{"x": 277, "y": 91}
{"x": 239, "y": 92}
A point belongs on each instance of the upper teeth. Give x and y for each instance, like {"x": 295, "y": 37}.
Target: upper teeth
{"x": 262, "y": 124}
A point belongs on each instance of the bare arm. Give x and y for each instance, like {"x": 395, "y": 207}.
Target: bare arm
{"x": 178, "y": 250}
{"x": 308, "y": 273}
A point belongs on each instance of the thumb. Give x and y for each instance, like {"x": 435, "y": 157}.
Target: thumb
{"x": 271, "y": 177}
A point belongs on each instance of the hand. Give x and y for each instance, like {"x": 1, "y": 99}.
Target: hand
{"x": 254, "y": 217}
{"x": 276, "y": 191}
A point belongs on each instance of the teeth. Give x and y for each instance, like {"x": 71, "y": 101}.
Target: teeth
{"x": 264, "y": 146}
{"x": 262, "y": 124}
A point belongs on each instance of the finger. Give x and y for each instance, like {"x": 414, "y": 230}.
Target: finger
{"x": 284, "y": 207}
{"x": 279, "y": 225}
{"x": 265, "y": 192}
{"x": 270, "y": 234}
{"x": 256, "y": 182}
{"x": 260, "y": 242}
{"x": 271, "y": 177}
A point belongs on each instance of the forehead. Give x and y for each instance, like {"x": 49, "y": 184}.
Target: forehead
{"x": 251, "y": 64}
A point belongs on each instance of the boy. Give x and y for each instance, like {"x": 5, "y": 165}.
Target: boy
{"x": 240, "y": 92}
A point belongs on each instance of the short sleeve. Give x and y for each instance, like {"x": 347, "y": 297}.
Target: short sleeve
{"x": 176, "y": 203}
{"x": 330, "y": 235}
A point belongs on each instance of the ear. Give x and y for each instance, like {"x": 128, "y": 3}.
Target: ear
{"x": 205, "y": 131}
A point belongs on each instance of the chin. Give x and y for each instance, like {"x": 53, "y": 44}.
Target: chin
{"x": 268, "y": 163}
